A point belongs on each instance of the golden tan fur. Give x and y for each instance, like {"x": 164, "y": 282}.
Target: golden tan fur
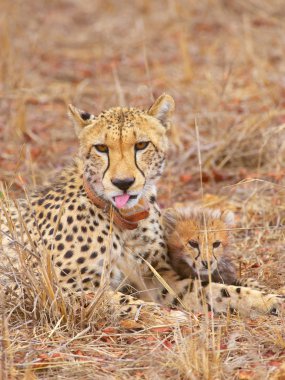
{"x": 206, "y": 227}
{"x": 63, "y": 224}
{"x": 197, "y": 240}
{"x": 120, "y": 129}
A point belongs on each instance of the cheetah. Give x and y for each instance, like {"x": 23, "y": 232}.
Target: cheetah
{"x": 100, "y": 216}
{"x": 199, "y": 244}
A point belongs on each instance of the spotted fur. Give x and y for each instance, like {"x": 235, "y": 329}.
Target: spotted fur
{"x": 60, "y": 222}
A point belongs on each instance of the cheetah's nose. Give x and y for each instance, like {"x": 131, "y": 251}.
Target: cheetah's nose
{"x": 205, "y": 263}
{"x": 123, "y": 184}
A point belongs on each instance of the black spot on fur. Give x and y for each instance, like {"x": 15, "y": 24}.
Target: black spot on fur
{"x": 164, "y": 293}
{"x": 80, "y": 260}
{"x": 85, "y": 248}
{"x": 68, "y": 254}
{"x": 65, "y": 272}
{"x": 225, "y": 293}
{"x": 93, "y": 255}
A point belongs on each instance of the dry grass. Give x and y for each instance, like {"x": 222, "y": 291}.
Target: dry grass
{"x": 223, "y": 63}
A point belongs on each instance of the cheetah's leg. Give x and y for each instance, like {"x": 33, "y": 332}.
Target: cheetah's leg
{"x": 245, "y": 300}
{"x": 221, "y": 298}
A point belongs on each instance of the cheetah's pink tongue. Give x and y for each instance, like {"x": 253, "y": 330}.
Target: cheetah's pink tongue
{"x": 121, "y": 200}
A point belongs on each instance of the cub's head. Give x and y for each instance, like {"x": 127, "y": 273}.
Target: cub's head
{"x": 123, "y": 149}
{"x": 197, "y": 239}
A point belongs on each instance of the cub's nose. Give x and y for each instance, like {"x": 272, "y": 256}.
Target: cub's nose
{"x": 205, "y": 263}
{"x": 123, "y": 184}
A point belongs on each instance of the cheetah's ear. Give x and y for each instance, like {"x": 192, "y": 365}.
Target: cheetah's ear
{"x": 79, "y": 118}
{"x": 229, "y": 218}
{"x": 162, "y": 109}
{"x": 169, "y": 220}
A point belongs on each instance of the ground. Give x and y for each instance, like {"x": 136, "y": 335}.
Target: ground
{"x": 223, "y": 63}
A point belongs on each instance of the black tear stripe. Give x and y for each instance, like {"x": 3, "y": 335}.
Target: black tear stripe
{"x": 156, "y": 149}
{"x": 108, "y": 165}
{"x": 199, "y": 253}
{"x": 138, "y": 166}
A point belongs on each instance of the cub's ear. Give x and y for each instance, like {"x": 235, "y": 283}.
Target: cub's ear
{"x": 169, "y": 220}
{"x": 79, "y": 118}
{"x": 229, "y": 218}
{"x": 162, "y": 109}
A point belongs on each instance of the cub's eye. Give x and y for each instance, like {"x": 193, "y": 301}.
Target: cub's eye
{"x": 141, "y": 145}
{"x": 216, "y": 244}
{"x": 193, "y": 244}
{"x": 102, "y": 148}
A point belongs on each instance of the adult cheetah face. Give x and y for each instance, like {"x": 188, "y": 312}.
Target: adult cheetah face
{"x": 123, "y": 149}
{"x": 197, "y": 239}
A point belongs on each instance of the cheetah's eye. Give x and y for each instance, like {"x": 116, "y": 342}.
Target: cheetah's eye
{"x": 141, "y": 145}
{"x": 216, "y": 244}
{"x": 193, "y": 244}
{"x": 102, "y": 148}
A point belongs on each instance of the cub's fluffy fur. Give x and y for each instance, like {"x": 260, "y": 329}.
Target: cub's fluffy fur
{"x": 198, "y": 242}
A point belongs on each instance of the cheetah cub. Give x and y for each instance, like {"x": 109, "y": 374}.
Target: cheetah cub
{"x": 199, "y": 242}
